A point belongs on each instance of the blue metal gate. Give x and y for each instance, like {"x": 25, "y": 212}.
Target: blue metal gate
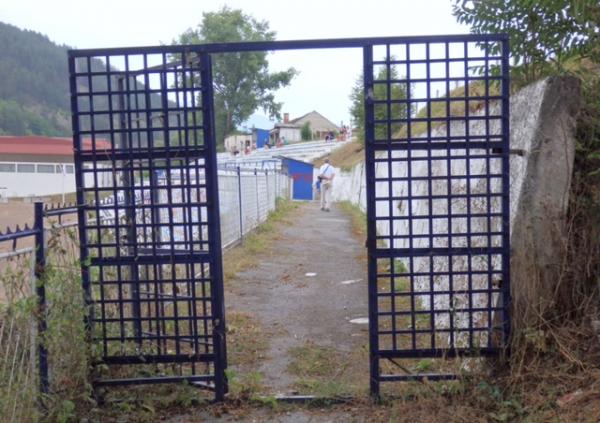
{"x": 146, "y": 175}
{"x": 437, "y": 149}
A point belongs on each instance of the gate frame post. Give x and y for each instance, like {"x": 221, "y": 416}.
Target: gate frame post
{"x": 371, "y": 223}
{"x": 40, "y": 290}
{"x": 214, "y": 230}
{"x": 88, "y": 315}
{"x": 506, "y": 282}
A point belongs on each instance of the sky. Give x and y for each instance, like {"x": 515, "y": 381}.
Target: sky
{"x": 325, "y": 77}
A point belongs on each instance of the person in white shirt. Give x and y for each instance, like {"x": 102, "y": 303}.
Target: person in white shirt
{"x": 326, "y": 175}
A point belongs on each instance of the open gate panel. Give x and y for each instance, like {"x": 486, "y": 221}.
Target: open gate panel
{"x": 438, "y": 217}
{"x": 149, "y": 225}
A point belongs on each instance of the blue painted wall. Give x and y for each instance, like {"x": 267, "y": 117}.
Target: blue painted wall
{"x": 262, "y": 136}
{"x": 302, "y": 175}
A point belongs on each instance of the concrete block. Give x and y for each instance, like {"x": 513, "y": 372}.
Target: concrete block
{"x": 544, "y": 116}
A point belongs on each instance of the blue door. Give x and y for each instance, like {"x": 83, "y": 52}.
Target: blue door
{"x": 302, "y": 175}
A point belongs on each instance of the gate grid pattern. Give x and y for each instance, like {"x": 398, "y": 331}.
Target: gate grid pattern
{"x": 437, "y": 149}
{"x": 437, "y": 145}
{"x": 149, "y": 223}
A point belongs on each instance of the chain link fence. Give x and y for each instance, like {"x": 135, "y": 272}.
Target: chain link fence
{"x": 246, "y": 198}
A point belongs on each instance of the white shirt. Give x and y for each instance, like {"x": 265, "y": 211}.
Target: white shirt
{"x": 327, "y": 170}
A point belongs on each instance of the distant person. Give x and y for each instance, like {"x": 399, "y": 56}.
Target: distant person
{"x": 326, "y": 175}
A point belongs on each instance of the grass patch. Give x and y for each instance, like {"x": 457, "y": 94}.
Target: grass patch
{"x": 257, "y": 242}
{"x": 358, "y": 218}
{"x": 313, "y": 360}
{"x": 325, "y": 372}
{"x": 246, "y": 339}
{"x": 322, "y": 388}
{"x": 345, "y": 157}
{"x": 248, "y": 386}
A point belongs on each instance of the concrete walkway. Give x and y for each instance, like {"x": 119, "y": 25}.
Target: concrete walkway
{"x": 307, "y": 292}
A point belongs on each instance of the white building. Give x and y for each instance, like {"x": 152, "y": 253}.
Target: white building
{"x": 320, "y": 126}
{"x": 32, "y": 166}
{"x": 285, "y": 132}
{"x": 238, "y": 142}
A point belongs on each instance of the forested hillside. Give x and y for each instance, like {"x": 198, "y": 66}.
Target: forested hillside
{"x": 34, "y": 85}
{"x": 34, "y": 92}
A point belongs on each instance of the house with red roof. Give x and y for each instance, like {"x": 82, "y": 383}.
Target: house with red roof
{"x": 38, "y": 166}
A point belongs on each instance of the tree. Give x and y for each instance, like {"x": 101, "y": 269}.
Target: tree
{"x": 543, "y": 34}
{"x": 306, "y": 132}
{"x": 242, "y": 82}
{"x": 396, "y": 110}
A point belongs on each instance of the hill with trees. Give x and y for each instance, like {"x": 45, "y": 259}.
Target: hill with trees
{"x": 34, "y": 88}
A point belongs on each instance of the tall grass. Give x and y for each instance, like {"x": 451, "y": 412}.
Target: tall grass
{"x": 20, "y": 399}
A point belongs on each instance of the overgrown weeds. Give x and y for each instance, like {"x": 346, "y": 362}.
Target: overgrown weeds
{"x": 560, "y": 355}
{"x": 358, "y": 219}
{"x": 18, "y": 375}
{"x": 64, "y": 338}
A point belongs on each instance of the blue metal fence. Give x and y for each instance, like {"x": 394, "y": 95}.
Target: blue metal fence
{"x": 24, "y": 253}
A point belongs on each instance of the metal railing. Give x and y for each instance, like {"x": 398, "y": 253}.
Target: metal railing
{"x": 24, "y": 368}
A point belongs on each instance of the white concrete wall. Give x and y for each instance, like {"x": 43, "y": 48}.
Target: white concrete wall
{"x": 524, "y": 129}
{"x": 38, "y": 183}
{"x": 26, "y": 184}
{"x": 290, "y": 134}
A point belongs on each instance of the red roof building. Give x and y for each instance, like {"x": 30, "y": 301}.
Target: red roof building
{"x": 37, "y": 166}
{"x": 42, "y": 148}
